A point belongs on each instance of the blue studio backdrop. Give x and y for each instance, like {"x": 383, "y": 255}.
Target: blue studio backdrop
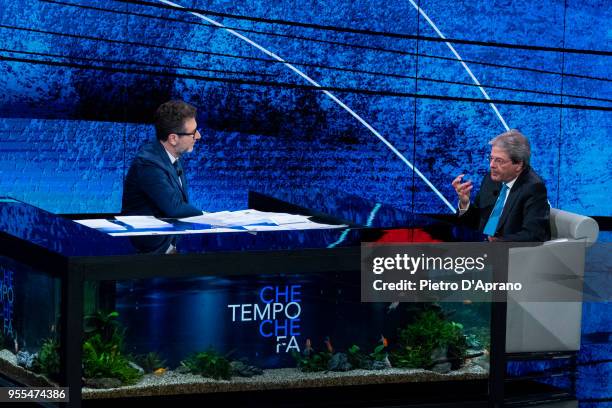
{"x": 80, "y": 81}
{"x": 359, "y": 97}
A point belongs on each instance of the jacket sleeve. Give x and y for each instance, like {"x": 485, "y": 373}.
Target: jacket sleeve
{"x": 157, "y": 185}
{"x": 536, "y": 217}
{"x": 471, "y": 217}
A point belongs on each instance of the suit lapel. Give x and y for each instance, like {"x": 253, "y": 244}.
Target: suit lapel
{"x": 513, "y": 196}
{"x": 163, "y": 156}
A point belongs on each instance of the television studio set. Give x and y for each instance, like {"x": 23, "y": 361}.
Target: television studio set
{"x": 306, "y": 204}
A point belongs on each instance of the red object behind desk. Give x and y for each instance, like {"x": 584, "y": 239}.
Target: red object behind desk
{"x": 407, "y": 235}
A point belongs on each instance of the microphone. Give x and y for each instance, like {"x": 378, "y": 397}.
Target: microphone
{"x": 179, "y": 172}
{"x": 495, "y": 192}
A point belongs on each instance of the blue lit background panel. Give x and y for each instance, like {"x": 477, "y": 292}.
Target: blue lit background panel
{"x": 497, "y": 20}
{"x": 332, "y": 151}
{"x": 586, "y": 167}
{"x": 586, "y": 152}
{"x": 62, "y": 166}
{"x": 451, "y": 139}
{"x": 541, "y": 125}
{"x": 117, "y": 62}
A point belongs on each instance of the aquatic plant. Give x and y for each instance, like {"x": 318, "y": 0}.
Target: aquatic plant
{"x": 310, "y": 360}
{"x": 357, "y": 358}
{"x": 102, "y": 359}
{"x": 103, "y": 350}
{"x": 150, "y": 361}
{"x": 47, "y": 360}
{"x": 316, "y": 361}
{"x": 209, "y": 364}
{"x": 430, "y": 332}
{"x": 380, "y": 352}
{"x": 105, "y": 325}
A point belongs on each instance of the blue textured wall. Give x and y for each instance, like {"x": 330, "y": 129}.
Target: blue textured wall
{"x": 69, "y": 130}
{"x": 78, "y": 87}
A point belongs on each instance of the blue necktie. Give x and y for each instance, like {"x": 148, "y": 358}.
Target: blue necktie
{"x": 491, "y": 226}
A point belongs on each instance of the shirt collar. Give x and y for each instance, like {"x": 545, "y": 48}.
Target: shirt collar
{"x": 511, "y": 183}
{"x": 172, "y": 158}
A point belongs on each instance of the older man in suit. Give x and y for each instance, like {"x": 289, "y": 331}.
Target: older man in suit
{"x": 155, "y": 183}
{"x": 512, "y": 203}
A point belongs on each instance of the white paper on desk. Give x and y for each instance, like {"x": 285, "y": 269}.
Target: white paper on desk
{"x": 142, "y": 221}
{"x": 101, "y": 224}
{"x": 155, "y": 233}
{"x": 231, "y": 218}
{"x": 254, "y": 220}
{"x": 312, "y": 225}
{"x": 257, "y": 228}
{"x": 282, "y": 219}
{"x": 208, "y": 218}
{"x": 309, "y": 225}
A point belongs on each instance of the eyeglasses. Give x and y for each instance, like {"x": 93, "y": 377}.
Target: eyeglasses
{"x": 498, "y": 161}
{"x": 192, "y": 134}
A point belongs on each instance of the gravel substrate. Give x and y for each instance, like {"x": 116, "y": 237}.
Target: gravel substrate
{"x": 173, "y": 383}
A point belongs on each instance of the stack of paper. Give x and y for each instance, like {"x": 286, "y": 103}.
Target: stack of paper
{"x": 223, "y": 221}
{"x": 101, "y": 225}
{"x": 254, "y": 220}
{"x": 143, "y": 222}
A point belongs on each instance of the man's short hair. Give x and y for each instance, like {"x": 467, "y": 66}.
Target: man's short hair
{"x": 170, "y": 118}
{"x": 515, "y": 144}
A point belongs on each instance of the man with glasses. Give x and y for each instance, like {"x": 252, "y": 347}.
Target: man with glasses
{"x": 155, "y": 183}
{"x": 512, "y": 203}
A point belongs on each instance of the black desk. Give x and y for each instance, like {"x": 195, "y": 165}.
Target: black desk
{"x": 54, "y": 261}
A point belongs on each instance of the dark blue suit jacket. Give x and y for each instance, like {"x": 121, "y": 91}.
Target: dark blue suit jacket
{"x": 526, "y": 215}
{"x": 152, "y": 186}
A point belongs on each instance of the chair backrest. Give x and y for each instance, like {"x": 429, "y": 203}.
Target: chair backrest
{"x": 564, "y": 224}
{"x": 536, "y": 326}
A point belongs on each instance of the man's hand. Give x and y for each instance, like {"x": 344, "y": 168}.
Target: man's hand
{"x": 463, "y": 191}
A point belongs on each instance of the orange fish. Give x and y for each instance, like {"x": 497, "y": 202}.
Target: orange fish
{"x": 159, "y": 371}
{"x": 384, "y": 340}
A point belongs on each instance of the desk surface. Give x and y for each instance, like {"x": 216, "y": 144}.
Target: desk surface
{"x": 367, "y": 222}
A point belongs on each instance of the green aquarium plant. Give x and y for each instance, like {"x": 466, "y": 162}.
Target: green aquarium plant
{"x": 356, "y": 357}
{"x": 430, "y": 332}
{"x": 104, "y": 325}
{"x": 209, "y": 364}
{"x": 103, "y": 350}
{"x": 371, "y": 361}
{"x": 317, "y": 361}
{"x": 380, "y": 351}
{"x": 47, "y": 360}
{"x": 150, "y": 362}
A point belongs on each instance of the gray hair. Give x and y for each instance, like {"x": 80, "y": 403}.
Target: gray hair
{"x": 515, "y": 144}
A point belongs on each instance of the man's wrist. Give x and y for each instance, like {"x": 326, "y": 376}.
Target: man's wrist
{"x": 463, "y": 209}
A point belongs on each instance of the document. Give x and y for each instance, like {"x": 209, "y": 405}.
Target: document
{"x": 143, "y": 222}
{"x": 102, "y": 225}
{"x": 247, "y": 218}
{"x": 223, "y": 221}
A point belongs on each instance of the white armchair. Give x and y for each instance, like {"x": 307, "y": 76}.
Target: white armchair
{"x": 549, "y": 326}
